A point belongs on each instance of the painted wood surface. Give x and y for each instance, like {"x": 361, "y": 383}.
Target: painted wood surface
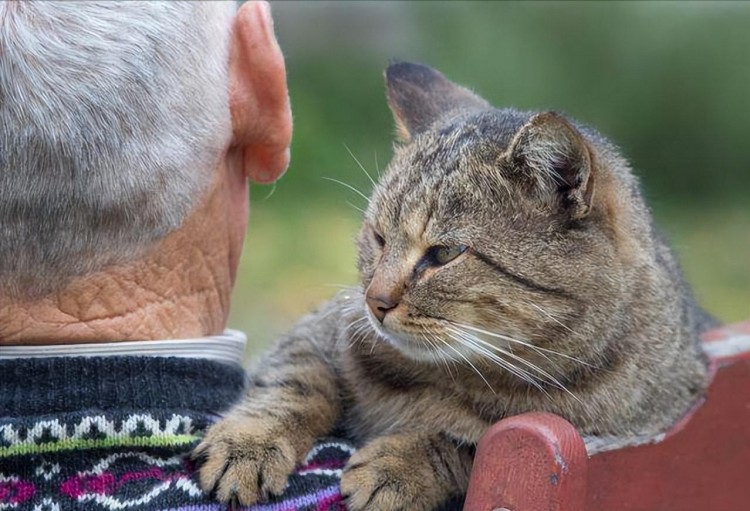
{"x": 537, "y": 462}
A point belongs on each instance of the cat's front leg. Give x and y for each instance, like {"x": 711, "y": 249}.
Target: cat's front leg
{"x": 248, "y": 456}
{"x": 408, "y": 471}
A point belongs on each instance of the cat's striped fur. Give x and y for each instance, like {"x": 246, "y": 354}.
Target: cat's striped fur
{"x": 508, "y": 263}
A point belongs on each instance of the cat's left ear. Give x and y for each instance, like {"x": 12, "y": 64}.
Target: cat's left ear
{"x": 419, "y": 95}
{"x": 553, "y": 153}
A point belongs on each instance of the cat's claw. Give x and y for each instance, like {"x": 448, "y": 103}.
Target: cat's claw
{"x": 377, "y": 478}
{"x": 244, "y": 461}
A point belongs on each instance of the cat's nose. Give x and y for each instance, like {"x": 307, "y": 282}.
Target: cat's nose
{"x": 380, "y": 305}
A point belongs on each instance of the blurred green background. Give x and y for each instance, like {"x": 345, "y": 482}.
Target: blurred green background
{"x": 669, "y": 82}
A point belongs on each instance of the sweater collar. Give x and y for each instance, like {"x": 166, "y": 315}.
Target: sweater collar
{"x": 227, "y": 347}
{"x": 41, "y": 385}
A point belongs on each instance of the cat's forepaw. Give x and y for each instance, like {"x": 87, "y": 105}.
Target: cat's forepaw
{"x": 244, "y": 460}
{"x": 388, "y": 474}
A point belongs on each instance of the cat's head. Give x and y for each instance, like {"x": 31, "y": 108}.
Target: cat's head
{"x": 489, "y": 230}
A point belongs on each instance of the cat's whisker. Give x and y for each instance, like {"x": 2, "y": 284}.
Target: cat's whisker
{"x": 434, "y": 341}
{"x": 377, "y": 167}
{"x": 466, "y": 359}
{"x": 467, "y": 341}
{"x": 358, "y": 321}
{"x": 372, "y": 345}
{"x": 549, "y": 378}
{"x": 355, "y": 207}
{"x": 489, "y": 346}
{"x": 448, "y": 361}
{"x": 360, "y": 165}
{"x": 361, "y": 337}
{"x": 510, "y": 353}
{"x": 327, "y": 314}
{"x": 349, "y": 314}
{"x": 436, "y": 358}
{"x": 511, "y": 340}
{"x": 349, "y": 308}
{"x": 539, "y": 349}
{"x": 499, "y": 316}
{"x": 550, "y": 316}
{"x": 358, "y": 335}
{"x": 352, "y": 303}
{"x": 363, "y": 327}
{"x": 470, "y": 341}
{"x": 352, "y": 299}
{"x": 448, "y": 357}
{"x": 347, "y": 185}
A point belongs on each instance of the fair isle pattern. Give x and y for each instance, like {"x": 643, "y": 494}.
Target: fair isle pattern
{"x": 100, "y": 484}
{"x": 115, "y": 434}
{"x": 52, "y": 435}
{"x": 136, "y": 462}
{"x": 326, "y": 499}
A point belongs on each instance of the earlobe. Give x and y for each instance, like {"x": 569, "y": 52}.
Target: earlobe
{"x": 259, "y": 99}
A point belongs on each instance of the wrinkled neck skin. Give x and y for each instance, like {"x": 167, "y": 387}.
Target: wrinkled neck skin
{"x": 179, "y": 289}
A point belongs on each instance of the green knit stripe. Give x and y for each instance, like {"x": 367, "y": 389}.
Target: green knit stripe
{"x": 93, "y": 443}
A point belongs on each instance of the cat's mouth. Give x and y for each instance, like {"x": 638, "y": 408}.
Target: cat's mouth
{"x": 415, "y": 346}
{"x": 409, "y": 345}
{"x": 436, "y": 339}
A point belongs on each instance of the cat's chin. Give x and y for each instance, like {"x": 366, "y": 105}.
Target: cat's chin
{"x": 409, "y": 346}
{"x": 412, "y": 349}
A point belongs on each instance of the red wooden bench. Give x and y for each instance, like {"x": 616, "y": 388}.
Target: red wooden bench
{"x": 538, "y": 461}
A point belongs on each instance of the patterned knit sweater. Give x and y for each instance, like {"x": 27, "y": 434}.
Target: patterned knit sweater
{"x": 114, "y": 433}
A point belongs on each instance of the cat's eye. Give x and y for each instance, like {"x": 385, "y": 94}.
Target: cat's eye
{"x": 440, "y": 255}
{"x": 380, "y": 240}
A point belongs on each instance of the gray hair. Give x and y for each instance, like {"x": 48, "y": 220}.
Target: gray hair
{"x": 112, "y": 115}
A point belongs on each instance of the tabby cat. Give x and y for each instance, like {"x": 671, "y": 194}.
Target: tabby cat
{"x": 508, "y": 263}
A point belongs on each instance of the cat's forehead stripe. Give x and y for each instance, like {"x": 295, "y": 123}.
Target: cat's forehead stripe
{"x": 414, "y": 227}
{"x": 412, "y": 257}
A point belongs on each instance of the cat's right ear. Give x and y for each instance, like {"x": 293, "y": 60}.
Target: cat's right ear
{"x": 555, "y": 155}
{"x": 418, "y": 96}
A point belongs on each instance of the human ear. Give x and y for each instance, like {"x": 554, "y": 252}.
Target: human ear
{"x": 258, "y": 94}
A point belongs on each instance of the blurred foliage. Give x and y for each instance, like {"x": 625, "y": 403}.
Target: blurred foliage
{"x": 667, "y": 81}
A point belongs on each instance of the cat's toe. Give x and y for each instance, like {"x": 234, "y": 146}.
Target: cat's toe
{"x": 242, "y": 461}
{"x": 384, "y": 483}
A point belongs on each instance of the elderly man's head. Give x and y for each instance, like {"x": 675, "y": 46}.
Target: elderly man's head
{"x": 119, "y": 121}
{"x": 127, "y": 133}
